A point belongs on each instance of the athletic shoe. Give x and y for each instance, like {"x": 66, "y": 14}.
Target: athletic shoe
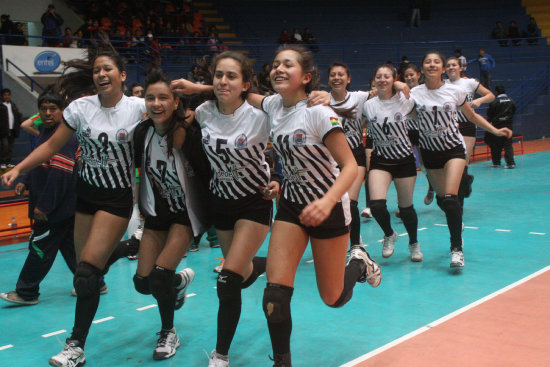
{"x": 372, "y": 274}
{"x": 281, "y": 360}
{"x": 389, "y": 242}
{"x": 457, "y": 259}
{"x": 194, "y": 247}
{"x": 187, "y": 275}
{"x": 132, "y": 247}
{"x": 496, "y": 165}
{"x": 103, "y": 290}
{"x": 218, "y": 269}
{"x": 468, "y": 192}
{"x": 167, "y": 344}
{"x": 3, "y": 166}
{"x": 71, "y": 356}
{"x": 416, "y": 254}
{"x": 215, "y": 245}
{"x": 218, "y": 360}
{"x": 14, "y": 297}
{"x": 366, "y": 213}
{"x": 429, "y": 197}
{"x": 510, "y": 166}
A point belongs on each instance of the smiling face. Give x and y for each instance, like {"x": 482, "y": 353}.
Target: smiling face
{"x": 453, "y": 69}
{"x": 160, "y": 103}
{"x": 108, "y": 79}
{"x": 228, "y": 82}
{"x": 50, "y": 113}
{"x": 411, "y": 77}
{"x": 338, "y": 78}
{"x": 287, "y": 75}
{"x": 432, "y": 66}
{"x": 383, "y": 80}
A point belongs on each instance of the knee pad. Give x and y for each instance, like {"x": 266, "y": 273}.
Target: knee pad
{"x": 229, "y": 286}
{"x": 142, "y": 284}
{"x": 86, "y": 279}
{"x": 258, "y": 268}
{"x": 439, "y": 201}
{"x": 407, "y": 213}
{"x": 161, "y": 283}
{"x": 276, "y": 302}
{"x": 378, "y": 207}
{"x": 451, "y": 205}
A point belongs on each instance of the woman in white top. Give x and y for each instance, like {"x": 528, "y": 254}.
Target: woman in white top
{"x": 104, "y": 124}
{"x": 442, "y": 146}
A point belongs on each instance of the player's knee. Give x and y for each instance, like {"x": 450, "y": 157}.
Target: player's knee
{"x": 407, "y": 214}
{"x": 276, "y": 302}
{"x": 259, "y": 264}
{"x": 86, "y": 279}
{"x": 451, "y": 205}
{"x": 161, "y": 283}
{"x": 142, "y": 284}
{"x": 229, "y": 287}
{"x": 378, "y": 207}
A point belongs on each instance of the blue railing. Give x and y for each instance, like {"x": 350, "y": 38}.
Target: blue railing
{"x": 32, "y": 81}
{"x": 528, "y": 90}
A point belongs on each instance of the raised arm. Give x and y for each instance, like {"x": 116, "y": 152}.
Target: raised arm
{"x": 486, "y": 97}
{"x": 184, "y": 86}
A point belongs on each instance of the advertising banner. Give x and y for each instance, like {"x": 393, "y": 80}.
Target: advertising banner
{"x": 38, "y": 61}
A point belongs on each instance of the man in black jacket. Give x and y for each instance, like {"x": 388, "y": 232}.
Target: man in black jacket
{"x": 501, "y": 114}
{"x": 10, "y": 119}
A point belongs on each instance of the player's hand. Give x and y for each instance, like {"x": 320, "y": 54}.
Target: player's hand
{"x": 402, "y": 87}
{"x": 9, "y": 177}
{"x": 504, "y": 132}
{"x": 40, "y": 215}
{"x": 183, "y": 86}
{"x": 316, "y": 212}
{"x": 270, "y": 191}
{"x": 474, "y": 104}
{"x": 318, "y": 97}
{"x": 19, "y": 189}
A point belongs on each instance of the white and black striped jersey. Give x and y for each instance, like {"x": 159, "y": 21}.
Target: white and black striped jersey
{"x": 105, "y": 136}
{"x": 234, "y": 145}
{"x": 387, "y": 126}
{"x": 437, "y": 121}
{"x": 297, "y": 134}
{"x": 161, "y": 169}
{"x": 469, "y": 85}
{"x": 352, "y": 127}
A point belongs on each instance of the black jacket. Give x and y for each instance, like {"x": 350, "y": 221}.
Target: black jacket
{"x": 501, "y": 112}
{"x": 4, "y": 120}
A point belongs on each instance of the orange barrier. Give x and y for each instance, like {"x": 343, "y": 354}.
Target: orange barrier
{"x": 19, "y": 210}
{"x": 479, "y": 154}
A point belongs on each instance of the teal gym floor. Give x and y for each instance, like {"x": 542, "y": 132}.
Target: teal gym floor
{"x": 507, "y": 237}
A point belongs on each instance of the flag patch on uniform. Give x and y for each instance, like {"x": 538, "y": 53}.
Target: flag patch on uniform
{"x": 334, "y": 121}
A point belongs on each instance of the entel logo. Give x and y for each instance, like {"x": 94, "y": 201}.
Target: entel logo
{"x": 47, "y": 61}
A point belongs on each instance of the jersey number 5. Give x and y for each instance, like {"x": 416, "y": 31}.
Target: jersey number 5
{"x": 222, "y": 151}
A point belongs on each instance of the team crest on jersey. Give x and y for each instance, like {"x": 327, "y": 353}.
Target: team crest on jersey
{"x": 86, "y": 132}
{"x": 398, "y": 116}
{"x": 241, "y": 142}
{"x": 299, "y": 137}
{"x": 334, "y": 121}
{"x": 206, "y": 139}
{"x": 122, "y": 136}
{"x": 447, "y": 106}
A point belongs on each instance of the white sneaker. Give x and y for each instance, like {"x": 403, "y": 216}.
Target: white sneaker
{"x": 71, "y": 356}
{"x": 218, "y": 360}
{"x": 457, "y": 259}
{"x": 103, "y": 290}
{"x": 218, "y": 268}
{"x": 416, "y": 254}
{"x": 372, "y": 274}
{"x": 389, "y": 242}
{"x": 167, "y": 344}
{"x": 187, "y": 275}
{"x": 366, "y": 213}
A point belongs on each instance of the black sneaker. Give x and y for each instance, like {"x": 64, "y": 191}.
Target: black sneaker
{"x": 194, "y": 247}
{"x": 281, "y": 360}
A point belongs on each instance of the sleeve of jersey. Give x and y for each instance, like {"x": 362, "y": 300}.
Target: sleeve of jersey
{"x": 70, "y": 116}
{"x": 407, "y": 104}
{"x": 324, "y": 121}
{"x": 474, "y": 84}
{"x": 460, "y": 98}
{"x": 199, "y": 114}
{"x": 268, "y": 103}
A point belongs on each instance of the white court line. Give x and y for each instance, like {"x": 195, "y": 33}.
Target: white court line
{"x": 145, "y": 307}
{"x": 103, "y": 320}
{"x": 471, "y": 227}
{"x": 6, "y": 346}
{"x": 261, "y": 275}
{"x": 441, "y": 225}
{"x": 503, "y": 230}
{"x": 54, "y": 333}
{"x": 537, "y": 233}
{"x": 422, "y": 229}
{"x": 403, "y": 234}
{"x": 443, "y": 319}
{"x": 309, "y": 261}
{"x": 380, "y": 240}
{"x": 190, "y": 295}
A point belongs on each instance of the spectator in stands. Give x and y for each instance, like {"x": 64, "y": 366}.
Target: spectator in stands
{"x": 52, "y": 27}
{"x": 153, "y": 46}
{"x": 296, "y": 36}
{"x": 68, "y": 39}
{"x": 501, "y": 114}
{"x": 310, "y": 40}
{"x": 405, "y": 62}
{"x": 212, "y": 44}
{"x": 499, "y": 33}
{"x": 461, "y": 59}
{"x": 532, "y": 32}
{"x": 415, "y": 13}
{"x": 79, "y": 39}
{"x": 7, "y": 26}
{"x": 136, "y": 90}
{"x": 195, "y": 75}
{"x": 284, "y": 38}
{"x": 10, "y": 121}
{"x": 486, "y": 64}
{"x": 85, "y": 29}
{"x": 52, "y": 200}
{"x": 18, "y": 41}
{"x": 513, "y": 33}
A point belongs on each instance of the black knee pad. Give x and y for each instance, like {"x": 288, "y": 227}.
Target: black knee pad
{"x": 276, "y": 302}
{"x": 229, "y": 286}
{"x": 451, "y": 205}
{"x": 407, "y": 214}
{"x": 142, "y": 284}
{"x": 86, "y": 279}
{"x": 258, "y": 268}
{"x": 378, "y": 207}
{"x": 161, "y": 283}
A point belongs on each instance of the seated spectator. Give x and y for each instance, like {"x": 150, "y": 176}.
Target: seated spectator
{"x": 403, "y": 65}
{"x": 68, "y": 39}
{"x": 212, "y": 44}
{"x": 194, "y": 75}
{"x": 153, "y": 46}
{"x": 7, "y": 25}
{"x": 19, "y": 40}
{"x": 310, "y": 40}
{"x": 284, "y": 37}
{"x": 138, "y": 36}
{"x": 499, "y": 33}
{"x": 532, "y": 32}
{"x": 86, "y": 28}
{"x": 79, "y": 41}
{"x": 513, "y": 33}
{"x": 296, "y": 37}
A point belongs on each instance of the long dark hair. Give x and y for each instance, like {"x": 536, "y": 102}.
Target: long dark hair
{"x": 247, "y": 70}
{"x": 178, "y": 118}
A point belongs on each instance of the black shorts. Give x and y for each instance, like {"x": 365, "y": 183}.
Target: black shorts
{"x": 369, "y": 143}
{"x": 437, "y": 159}
{"x": 401, "y": 168}
{"x": 360, "y": 156}
{"x": 467, "y": 129}
{"x": 225, "y": 213}
{"x": 333, "y": 226}
{"x": 163, "y": 222}
{"x": 90, "y": 199}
